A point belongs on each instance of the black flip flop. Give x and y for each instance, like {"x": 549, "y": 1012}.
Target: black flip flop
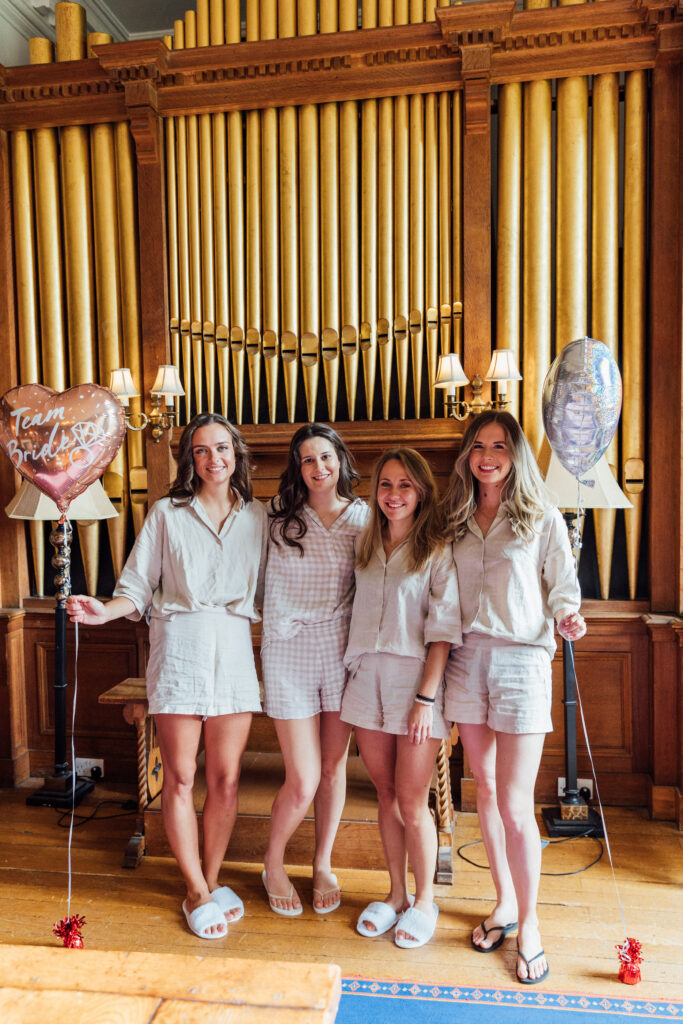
{"x": 504, "y": 930}
{"x": 531, "y": 981}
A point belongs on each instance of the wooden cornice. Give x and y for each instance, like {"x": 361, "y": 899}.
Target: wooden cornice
{"x": 554, "y": 42}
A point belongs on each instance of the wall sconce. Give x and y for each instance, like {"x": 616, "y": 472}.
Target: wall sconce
{"x": 165, "y": 389}
{"x": 450, "y": 375}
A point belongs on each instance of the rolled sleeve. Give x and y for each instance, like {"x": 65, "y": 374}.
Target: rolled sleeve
{"x": 563, "y": 594}
{"x": 443, "y": 616}
{"x": 142, "y": 572}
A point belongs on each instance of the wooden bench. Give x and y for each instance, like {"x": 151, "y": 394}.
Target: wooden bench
{"x": 131, "y": 694}
{"x": 82, "y": 985}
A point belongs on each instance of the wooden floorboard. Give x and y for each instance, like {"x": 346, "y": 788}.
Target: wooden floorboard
{"x": 139, "y": 910}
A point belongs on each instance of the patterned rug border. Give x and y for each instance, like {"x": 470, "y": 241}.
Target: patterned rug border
{"x": 512, "y": 997}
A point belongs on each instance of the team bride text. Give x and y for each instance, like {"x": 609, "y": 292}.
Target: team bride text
{"x": 77, "y": 443}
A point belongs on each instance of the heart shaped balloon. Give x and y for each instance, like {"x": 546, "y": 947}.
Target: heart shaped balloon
{"x": 581, "y": 404}
{"x": 61, "y": 441}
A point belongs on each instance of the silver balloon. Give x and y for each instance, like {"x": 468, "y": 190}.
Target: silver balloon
{"x": 581, "y": 404}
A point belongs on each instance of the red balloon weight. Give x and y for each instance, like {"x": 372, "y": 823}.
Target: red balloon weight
{"x": 61, "y": 441}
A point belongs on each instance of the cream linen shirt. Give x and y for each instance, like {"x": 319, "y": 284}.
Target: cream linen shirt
{"x": 317, "y": 588}
{"x": 513, "y": 588}
{"x": 179, "y": 563}
{"x": 399, "y": 611}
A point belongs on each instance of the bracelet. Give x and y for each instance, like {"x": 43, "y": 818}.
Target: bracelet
{"x": 421, "y": 699}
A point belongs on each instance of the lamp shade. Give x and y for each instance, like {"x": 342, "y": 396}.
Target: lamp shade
{"x": 167, "y": 381}
{"x": 503, "y": 365}
{"x": 596, "y": 489}
{"x": 30, "y": 503}
{"x": 121, "y": 383}
{"x": 450, "y": 373}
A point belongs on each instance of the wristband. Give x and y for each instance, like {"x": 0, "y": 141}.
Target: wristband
{"x": 427, "y": 702}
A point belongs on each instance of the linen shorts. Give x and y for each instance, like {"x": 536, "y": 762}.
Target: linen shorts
{"x": 381, "y": 692}
{"x": 305, "y": 674}
{"x": 502, "y": 684}
{"x": 202, "y": 663}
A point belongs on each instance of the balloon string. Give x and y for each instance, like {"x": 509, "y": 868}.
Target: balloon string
{"x": 73, "y": 774}
{"x": 570, "y": 651}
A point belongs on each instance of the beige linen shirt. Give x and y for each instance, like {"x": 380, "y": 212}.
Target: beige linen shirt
{"x": 399, "y": 611}
{"x": 179, "y": 563}
{"x": 513, "y": 588}
{"x": 317, "y": 588}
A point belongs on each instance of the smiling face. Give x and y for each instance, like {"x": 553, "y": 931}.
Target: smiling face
{"x": 319, "y": 464}
{"x": 213, "y": 454}
{"x": 397, "y": 495}
{"x": 489, "y": 457}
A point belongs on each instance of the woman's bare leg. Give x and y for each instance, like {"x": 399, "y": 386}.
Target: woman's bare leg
{"x": 329, "y": 803}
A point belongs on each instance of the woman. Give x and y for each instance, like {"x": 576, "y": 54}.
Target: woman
{"x": 314, "y": 521}
{"x": 516, "y": 574}
{"x": 194, "y": 569}
{"x": 405, "y": 618}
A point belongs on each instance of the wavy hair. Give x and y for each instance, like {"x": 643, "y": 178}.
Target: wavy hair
{"x": 426, "y": 535}
{"x": 524, "y": 495}
{"x": 286, "y": 516}
{"x": 187, "y": 484}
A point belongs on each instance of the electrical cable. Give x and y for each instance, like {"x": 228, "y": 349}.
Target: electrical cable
{"x": 555, "y": 842}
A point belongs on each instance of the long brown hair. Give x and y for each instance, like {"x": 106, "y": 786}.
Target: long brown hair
{"x": 187, "y": 484}
{"x": 524, "y": 496}
{"x": 292, "y": 495}
{"x": 426, "y": 535}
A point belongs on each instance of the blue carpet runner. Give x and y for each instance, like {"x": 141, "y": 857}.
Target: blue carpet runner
{"x": 365, "y": 1001}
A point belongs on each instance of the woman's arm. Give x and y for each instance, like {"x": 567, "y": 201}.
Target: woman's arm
{"x": 91, "y": 612}
{"x": 420, "y": 717}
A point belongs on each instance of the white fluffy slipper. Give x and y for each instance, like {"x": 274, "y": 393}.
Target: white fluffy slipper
{"x": 227, "y": 899}
{"x": 203, "y": 917}
{"x": 382, "y": 915}
{"x": 417, "y": 924}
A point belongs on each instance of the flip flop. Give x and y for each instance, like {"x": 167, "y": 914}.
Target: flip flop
{"x": 322, "y": 893}
{"x": 417, "y": 924}
{"x": 227, "y": 899}
{"x": 504, "y": 930}
{"x": 382, "y": 915}
{"x": 531, "y": 981}
{"x": 292, "y": 912}
{"x": 203, "y": 917}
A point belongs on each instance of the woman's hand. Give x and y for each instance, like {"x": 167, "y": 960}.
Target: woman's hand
{"x": 572, "y": 627}
{"x": 420, "y": 722}
{"x": 88, "y": 610}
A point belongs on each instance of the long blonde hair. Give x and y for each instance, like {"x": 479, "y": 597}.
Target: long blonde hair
{"x": 524, "y": 495}
{"x": 426, "y": 535}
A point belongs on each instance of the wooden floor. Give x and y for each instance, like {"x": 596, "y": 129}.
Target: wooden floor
{"x": 140, "y": 910}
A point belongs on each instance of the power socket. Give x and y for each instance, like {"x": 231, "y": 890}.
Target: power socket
{"x": 90, "y": 767}
{"x": 581, "y": 784}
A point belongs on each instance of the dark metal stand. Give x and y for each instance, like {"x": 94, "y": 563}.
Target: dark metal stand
{"x": 58, "y": 789}
{"x": 572, "y": 817}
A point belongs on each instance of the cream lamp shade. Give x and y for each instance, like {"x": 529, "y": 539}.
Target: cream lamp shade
{"x": 30, "y": 503}
{"x": 167, "y": 383}
{"x": 121, "y": 383}
{"x": 450, "y": 373}
{"x": 596, "y": 489}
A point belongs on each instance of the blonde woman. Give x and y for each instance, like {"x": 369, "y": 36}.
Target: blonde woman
{"x": 516, "y": 575}
{"x": 405, "y": 618}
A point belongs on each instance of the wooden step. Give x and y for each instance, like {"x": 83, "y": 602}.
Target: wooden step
{"x": 358, "y": 843}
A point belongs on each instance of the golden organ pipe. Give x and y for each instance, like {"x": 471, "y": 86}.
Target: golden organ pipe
{"x": 633, "y": 317}
{"x": 309, "y": 228}
{"x": 289, "y": 250}
{"x": 368, "y": 14}
{"x": 329, "y": 249}
{"x": 194, "y": 230}
{"x": 130, "y": 298}
{"x": 183, "y": 240}
{"x": 605, "y": 271}
{"x": 253, "y": 233}
{"x": 220, "y": 222}
{"x": 236, "y": 256}
{"x": 206, "y": 223}
{"x": 417, "y": 243}
{"x": 431, "y": 239}
{"x": 368, "y": 312}
{"x": 270, "y": 227}
{"x": 385, "y": 248}
{"x": 456, "y": 249}
{"x": 24, "y": 257}
{"x": 216, "y": 22}
{"x": 445, "y": 225}
{"x": 173, "y": 248}
{"x": 202, "y": 22}
{"x": 349, "y": 206}
{"x": 572, "y": 207}
{"x": 509, "y": 223}
{"x": 233, "y": 25}
{"x": 401, "y": 245}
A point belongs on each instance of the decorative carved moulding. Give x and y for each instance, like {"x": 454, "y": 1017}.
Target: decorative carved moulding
{"x": 431, "y": 57}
